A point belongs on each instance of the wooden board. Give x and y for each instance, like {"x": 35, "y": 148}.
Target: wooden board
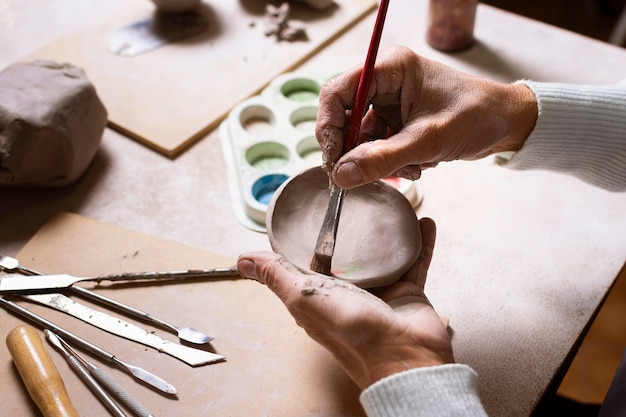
{"x": 172, "y": 96}
{"x": 272, "y": 367}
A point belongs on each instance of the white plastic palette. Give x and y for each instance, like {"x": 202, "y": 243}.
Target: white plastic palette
{"x": 268, "y": 138}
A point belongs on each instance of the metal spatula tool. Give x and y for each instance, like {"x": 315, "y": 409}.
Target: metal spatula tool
{"x": 135, "y": 371}
{"x": 16, "y": 282}
{"x": 116, "y": 326}
{"x": 188, "y": 334}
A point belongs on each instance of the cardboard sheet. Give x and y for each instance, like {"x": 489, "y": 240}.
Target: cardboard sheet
{"x": 272, "y": 367}
{"x": 170, "y": 97}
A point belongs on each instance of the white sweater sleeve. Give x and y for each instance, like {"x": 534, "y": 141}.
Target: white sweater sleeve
{"x": 580, "y": 130}
{"x": 442, "y": 391}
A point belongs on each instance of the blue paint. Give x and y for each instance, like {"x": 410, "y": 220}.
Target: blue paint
{"x": 263, "y": 189}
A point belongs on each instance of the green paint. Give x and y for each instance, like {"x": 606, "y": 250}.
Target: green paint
{"x": 314, "y": 155}
{"x": 302, "y": 95}
{"x": 269, "y": 162}
{"x": 348, "y": 270}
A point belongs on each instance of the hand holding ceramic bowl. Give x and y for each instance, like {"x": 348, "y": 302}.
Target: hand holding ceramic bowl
{"x": 378, "y": 238}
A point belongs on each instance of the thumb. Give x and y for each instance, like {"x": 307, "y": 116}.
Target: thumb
{"x": 374, "y": 160}
{"x": 268, "y": 268}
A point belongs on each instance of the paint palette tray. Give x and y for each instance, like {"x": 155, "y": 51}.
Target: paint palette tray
{"x": 270, "y": 137}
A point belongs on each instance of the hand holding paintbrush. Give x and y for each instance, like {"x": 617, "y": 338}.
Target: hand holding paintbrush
{"x": 325, "y": 246}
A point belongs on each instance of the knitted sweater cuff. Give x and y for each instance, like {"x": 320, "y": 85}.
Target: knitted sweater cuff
{"x": 580, "y": 130}
{"x": 446, "y": 390}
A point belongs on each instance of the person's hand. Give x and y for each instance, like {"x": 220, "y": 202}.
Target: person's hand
{"x": 427, "y": 112}
{"x": 370, "y": 339}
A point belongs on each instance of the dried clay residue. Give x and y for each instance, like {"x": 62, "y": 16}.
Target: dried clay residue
{"x": 280, "y": 26}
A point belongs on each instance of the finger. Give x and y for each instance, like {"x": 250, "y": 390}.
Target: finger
{"x": 413, "y": 281}
{"x": 377, "y": 159}
{"x": 280, "y": 276}
{"x": 373, "y": 127}
{"x": 419, "y": 270}
{"x": 335, "y": 99}
{"x": 410, "y": 172}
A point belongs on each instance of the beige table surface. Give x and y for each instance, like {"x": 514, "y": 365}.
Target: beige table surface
{"x": 523, "y": 259}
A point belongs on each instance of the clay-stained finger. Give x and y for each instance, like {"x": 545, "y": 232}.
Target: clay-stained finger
{"x": 278, "y": 274}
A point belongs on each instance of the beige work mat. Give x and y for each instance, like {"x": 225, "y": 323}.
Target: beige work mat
{"x": 272, "y": 367}
{"x": 170, "y": 97}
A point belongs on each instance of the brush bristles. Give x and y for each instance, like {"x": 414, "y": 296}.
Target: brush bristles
{"x": 321, "y": 263}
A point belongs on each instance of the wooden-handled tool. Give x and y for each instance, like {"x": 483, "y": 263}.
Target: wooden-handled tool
{"x": 40, "y": 375}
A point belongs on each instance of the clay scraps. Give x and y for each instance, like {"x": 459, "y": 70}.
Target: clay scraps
{"x": 280, "y": 26}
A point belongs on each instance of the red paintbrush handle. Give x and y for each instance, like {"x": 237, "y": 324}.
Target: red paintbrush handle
{"x": 364, "y": 81}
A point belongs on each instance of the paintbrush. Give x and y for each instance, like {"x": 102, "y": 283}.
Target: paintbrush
{"x": 325, "y": 245}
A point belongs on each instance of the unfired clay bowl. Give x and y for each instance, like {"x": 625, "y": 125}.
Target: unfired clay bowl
{"x": 378, "y": 238}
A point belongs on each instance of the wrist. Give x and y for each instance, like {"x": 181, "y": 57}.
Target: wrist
{"x": 418, "y": 358}
{"x": 425, "y": 346}
{"x": 520, "y": 114}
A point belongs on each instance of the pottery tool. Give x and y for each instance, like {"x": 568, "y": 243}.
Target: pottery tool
{"x": 97, "y": 380}
{"x": 40, "y": 375}
{"x": 158, "y": 30}
{"x": 325, "y": 245}
{"x": 16, "y": 282}
{"x": 82, "y": 372}
{"x": 188, "y": 334}
{"x": 119, "y": 327}
{"x": 136, "y": 372}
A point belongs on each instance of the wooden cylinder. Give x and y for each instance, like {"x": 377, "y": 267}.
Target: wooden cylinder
{"x": 40, "y": 375}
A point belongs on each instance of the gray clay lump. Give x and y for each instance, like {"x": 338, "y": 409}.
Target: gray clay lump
{"x": 51, "y": 124}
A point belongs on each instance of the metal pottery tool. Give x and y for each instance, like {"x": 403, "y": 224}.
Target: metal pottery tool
{"x": 82, "y": 372}
{"x": 135, "y": 371}
{"x": 97, "y": 380}
{"x": 16, "y": 282}
{"x": 41, "y": 377}
{"x": 119, "y": 327}
{"x": 160, "y": 29}
{"x": 325, "y": 245}
{"x": 188, "y": 334}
